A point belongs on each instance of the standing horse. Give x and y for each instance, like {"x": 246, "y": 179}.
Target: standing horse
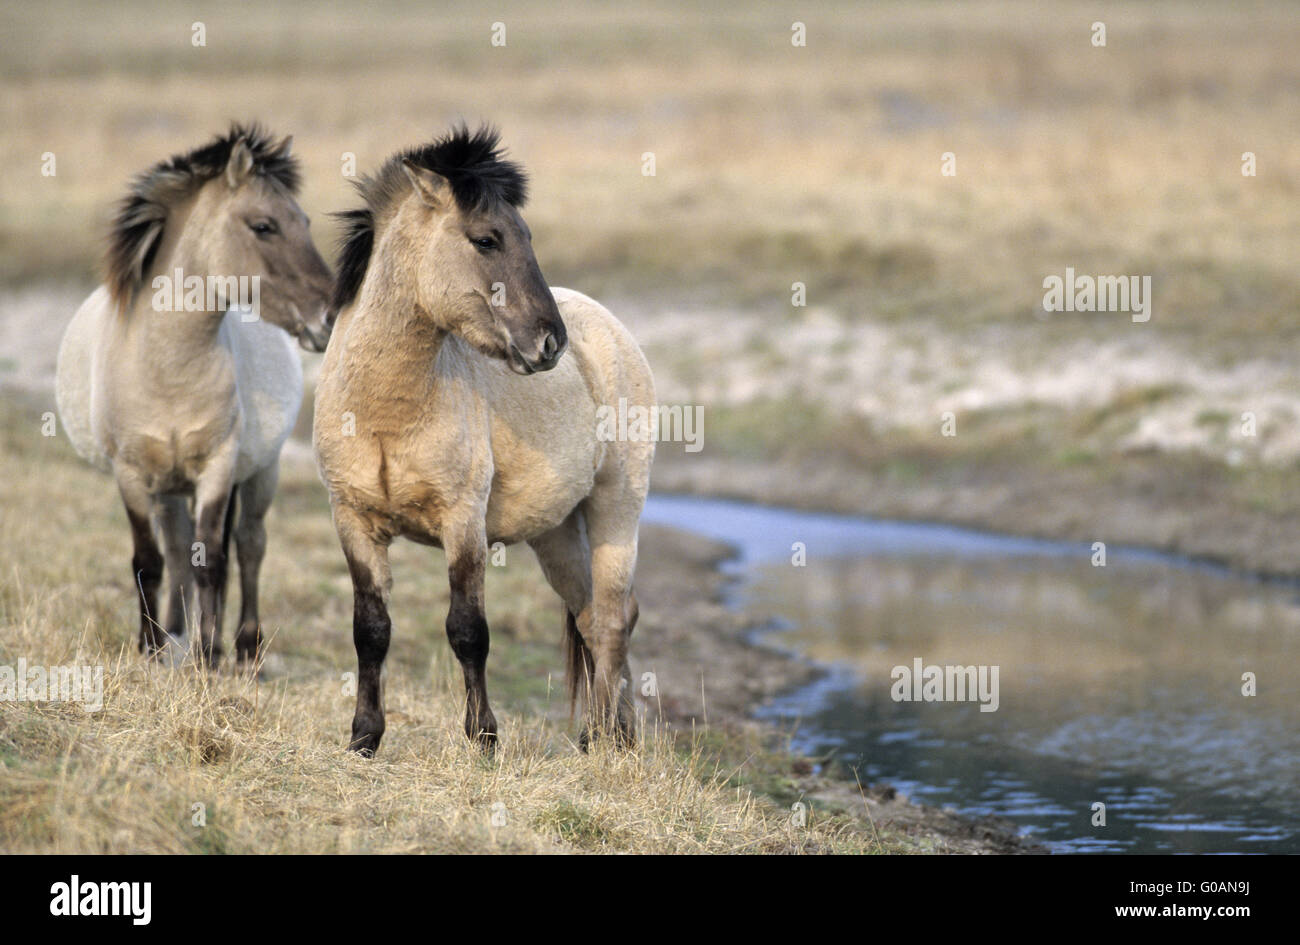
{"x": 187, "y": 393}
{"x": 445, "y": 413}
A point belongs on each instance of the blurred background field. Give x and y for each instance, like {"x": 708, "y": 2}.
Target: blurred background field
{"x": 777, "y": 164}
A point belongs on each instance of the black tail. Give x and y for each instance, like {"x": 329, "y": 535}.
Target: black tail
{"x": 578, "y": 664}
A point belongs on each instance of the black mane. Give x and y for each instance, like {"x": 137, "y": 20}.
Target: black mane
{"x": 473, "y": 164}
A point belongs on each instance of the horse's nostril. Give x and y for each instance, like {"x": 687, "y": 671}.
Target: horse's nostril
{"x": 550, "y": 346}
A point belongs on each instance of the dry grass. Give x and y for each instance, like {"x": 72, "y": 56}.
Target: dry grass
{"x": 266, "y": 759}
{"x": 267, "y": 765}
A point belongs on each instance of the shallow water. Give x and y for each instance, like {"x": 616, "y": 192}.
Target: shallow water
{"x": 1119, "y": 684}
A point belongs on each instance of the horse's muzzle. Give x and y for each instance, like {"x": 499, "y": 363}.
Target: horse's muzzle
{"x": 314, "y": 335}
{"x": 548, "y": 354}
{"x": 313, "y": 338}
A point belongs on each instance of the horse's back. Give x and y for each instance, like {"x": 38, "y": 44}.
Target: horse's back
{"x": 74, "y": 376}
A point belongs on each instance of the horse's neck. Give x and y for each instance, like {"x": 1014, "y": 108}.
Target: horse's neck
{"x": 386, "y": 338}
{"x": 172, "y": 341}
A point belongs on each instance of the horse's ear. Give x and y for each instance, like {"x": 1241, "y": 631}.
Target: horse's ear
{"x": 240, "y": 164}
{"x": 430, "y": 186}
{"x": 285, "y": 147}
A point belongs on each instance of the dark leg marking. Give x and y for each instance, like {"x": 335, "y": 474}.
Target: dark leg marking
{"x": 146, "y": 573}
{"x": 467, "y": 632}
{"x": 371, "y": 632}
{"x": 211, "y": 579}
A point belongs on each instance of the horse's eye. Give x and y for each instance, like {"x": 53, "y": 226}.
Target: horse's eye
{"x": 484, "y": 243}
{"x": 264, "y": 227}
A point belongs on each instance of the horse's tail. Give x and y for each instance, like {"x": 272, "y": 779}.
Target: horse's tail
{"x": 578, "y": 664}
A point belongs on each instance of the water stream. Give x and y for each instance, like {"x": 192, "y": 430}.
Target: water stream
{"x": 1120, "y": 685}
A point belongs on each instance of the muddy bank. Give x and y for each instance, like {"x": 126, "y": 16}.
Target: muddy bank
{"x": 708, "y": 670}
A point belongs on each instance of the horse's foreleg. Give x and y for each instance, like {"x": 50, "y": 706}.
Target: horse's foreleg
{"x": 146, "y": 561}
{"x": 178, "y": 538}
{"x": 467, "y": 628}
{"x": 223, "y": 576}
{"x": 255, "y": 496}
{"x": 367, "y": 560}
{"x": 211, "y": 499}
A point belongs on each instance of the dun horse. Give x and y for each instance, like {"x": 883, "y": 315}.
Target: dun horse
{"x": 448, "y": 413}
{"x": 178, "y": 376}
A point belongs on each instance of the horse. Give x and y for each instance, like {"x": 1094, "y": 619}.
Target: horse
{"x": 186, "y": 393}
{"x": 457, "y": 407}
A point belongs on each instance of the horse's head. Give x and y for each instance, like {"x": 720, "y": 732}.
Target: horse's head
{"x": 457, "y": 224}
{"x": 226, "y": 210}
{"x": 253, "y": 226}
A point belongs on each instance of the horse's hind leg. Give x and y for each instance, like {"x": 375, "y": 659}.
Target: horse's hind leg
{"x": 255, "y": 496}
{"x": 367, "y": 559}
{"x": 565, "y": 559}
{"x": 612, "y": 512}
{"x": 146, "y": 560}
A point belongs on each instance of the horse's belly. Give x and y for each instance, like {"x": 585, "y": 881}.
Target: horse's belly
{"x": 415, "y": 492}
{"x": 528, "y": 502}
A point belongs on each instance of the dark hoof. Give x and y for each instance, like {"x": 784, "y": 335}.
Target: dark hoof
{"x": 365, "y": 745}
{"x": 154, "y": 641}
{"x": 248, "y": 643}
{"x": 624, "y": 736}
{"x": 484, "y": 735}
{"x": 365, "y": 738}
